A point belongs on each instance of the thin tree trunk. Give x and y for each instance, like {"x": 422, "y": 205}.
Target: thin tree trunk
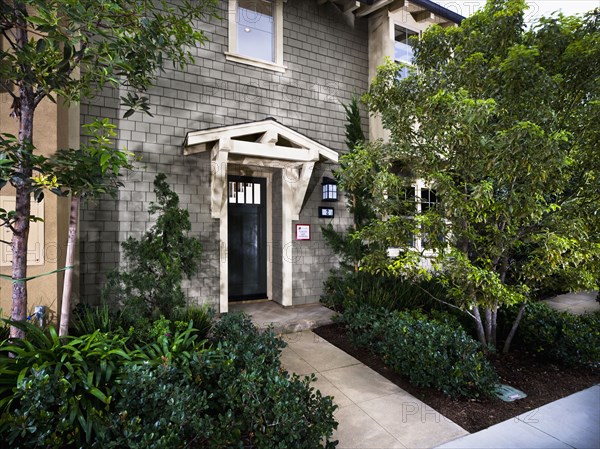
{"x": 488, "y": 324}
{"x": 24, "y": 111}
{"x": 494, "y": 325}
{"x": 65, "y": 309}
{"x": 19, "y": 250}
{"x": 479, "y": 325}
{"x": 513, "y": 330}
{"x": 355, "y": 227}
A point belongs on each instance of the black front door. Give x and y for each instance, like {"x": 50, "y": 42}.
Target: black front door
{"x": 247, "y": 234}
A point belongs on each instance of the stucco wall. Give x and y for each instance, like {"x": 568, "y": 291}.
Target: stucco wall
{"x": 327, "y": 63}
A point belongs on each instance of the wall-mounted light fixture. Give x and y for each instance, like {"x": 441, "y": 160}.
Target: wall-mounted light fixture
{"x": 330, "y": 192}
{"x": 326, "y": 212}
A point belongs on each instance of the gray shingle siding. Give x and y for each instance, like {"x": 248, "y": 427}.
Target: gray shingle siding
{"x": 326, "y": 63}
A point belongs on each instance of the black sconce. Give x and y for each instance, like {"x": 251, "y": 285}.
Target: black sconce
{"x": 330, "y": 192}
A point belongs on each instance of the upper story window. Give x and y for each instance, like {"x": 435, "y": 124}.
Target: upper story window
{"x": 256, "y": 33}
{"x": 403, "y": 51}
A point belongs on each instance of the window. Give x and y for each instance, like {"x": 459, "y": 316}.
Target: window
{"x": 418, "y": 199}
{"x": 241, "y": 192}
{"x": 403, "y": 52}
{"x": 256, "y": 33}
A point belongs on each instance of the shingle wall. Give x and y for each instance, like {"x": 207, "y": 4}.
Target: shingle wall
{"x": 327, "y": 64}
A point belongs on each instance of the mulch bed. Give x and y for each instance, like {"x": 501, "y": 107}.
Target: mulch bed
{"x": 541, "y": 380}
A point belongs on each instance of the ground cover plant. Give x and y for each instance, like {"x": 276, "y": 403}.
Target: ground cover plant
{"x": 559, "y": 336}
{"x": 177, "y": 390}
{"x": 542, "y": 380}
{"x": 430, "y": 352}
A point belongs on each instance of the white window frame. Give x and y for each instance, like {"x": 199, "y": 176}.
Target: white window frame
{"x": 410, "y": 30}
{"x": 233, "y": 55}
{"x": 417, "y": 240}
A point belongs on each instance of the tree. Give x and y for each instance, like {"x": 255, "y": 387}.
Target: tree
{"x": 159, "y": 261}
{"x": 504, "y": 124}
{"x": 345, "y": 244}
{"x": 90, "y": 171}
{"x": 66, "y": 50}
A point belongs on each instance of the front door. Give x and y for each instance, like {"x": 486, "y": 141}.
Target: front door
{"x": 247, "y": 234}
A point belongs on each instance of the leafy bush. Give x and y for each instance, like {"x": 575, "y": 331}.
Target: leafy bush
{"x": 266, "y": 407}
{"x": 139, "y": 329}
{"x": 87, "y": 319}
{"x": 200, "y": 316}
{"x": 561, "y": 336}
{"x": 430, "y": 353}
{"x": 159, "y": 261}
{"x": 159, "y": 407}
{"x": 344, "y": 288}
{"x": 58, "y": 394}
{"x": 174, "y": 392}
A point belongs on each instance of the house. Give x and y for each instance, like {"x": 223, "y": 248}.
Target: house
{"x": 248, "y": 136}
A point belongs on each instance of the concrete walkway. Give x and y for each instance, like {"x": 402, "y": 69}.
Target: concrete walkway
{"x": 373, "y": 412}
{"x": 571, "y": 422}
{"x": 285, "y": 319}
{"x": 577, "y": 302}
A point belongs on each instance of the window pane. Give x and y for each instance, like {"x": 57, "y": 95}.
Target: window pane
{"x": 256, "y": 29}
{"x": 240, "y": 194}
{"x": 232, "y": 192}
{"x": 403, "y": 52}
{"x": 257, "y": 193}
{"x": 249, "y": 193}
{"x": 428, "y": 199}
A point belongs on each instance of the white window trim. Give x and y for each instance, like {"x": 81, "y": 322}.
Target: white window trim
{"x": 417, "y": 32}
{"x": 234, "y": 56}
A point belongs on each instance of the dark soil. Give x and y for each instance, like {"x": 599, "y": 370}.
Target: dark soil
{"x": 541, "y": 380}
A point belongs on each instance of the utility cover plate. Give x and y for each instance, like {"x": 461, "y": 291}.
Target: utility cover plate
{"x": 508, "y": 393}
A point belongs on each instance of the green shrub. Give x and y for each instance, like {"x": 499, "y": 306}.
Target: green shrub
{"x": 58, "y": 394}
{"x": 158, "y": 262}
{"x": 344, "y": 288}
{"x": 86, "y": 319}
{"x": 560, "y": 336}
{"x": 159, "y": 407}
{"x": 173, "y": 392}
{"x": 200, "y": 316}
{"x": 430, "y": 353}
{"x": 265, "y": 406}
{"x": 232, "y": 395}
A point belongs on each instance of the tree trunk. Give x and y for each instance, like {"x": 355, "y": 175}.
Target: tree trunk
{"x": 65, "y": 309}
{"x": 488, "y": 324}
{"x": 19, "y": 251}
{"x": 494, "y": 325}
{"x": 479, "y": 326}
{"x": 513, "y": 329}
{"x": 24, "y": 110}
{"x": 355, "y": 227}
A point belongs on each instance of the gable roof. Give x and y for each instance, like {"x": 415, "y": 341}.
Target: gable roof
{"x": 371, "y": 6}
{"x": 264, "y": 138}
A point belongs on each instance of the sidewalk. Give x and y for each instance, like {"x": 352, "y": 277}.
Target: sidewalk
{"x": 571, "y": 422}
{"x": 576, "y": 302}
{"x": 373, "y": 413}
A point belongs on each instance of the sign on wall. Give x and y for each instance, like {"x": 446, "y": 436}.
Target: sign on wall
{"x": 302, "y": 232}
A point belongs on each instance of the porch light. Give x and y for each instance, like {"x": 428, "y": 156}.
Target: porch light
{"x": 329, "y": 189}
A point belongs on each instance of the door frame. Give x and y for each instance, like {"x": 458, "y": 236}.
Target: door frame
{"x": 263, "y": 238}
{"x": 249, "y": 171}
